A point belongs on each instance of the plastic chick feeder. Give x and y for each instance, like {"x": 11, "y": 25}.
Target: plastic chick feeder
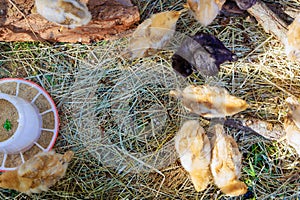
{"x": 29, "y": 126}
{"x": 38, "y": 122}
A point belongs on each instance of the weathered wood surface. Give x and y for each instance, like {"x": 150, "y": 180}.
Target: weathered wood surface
{"x": 270, "y": 22}
{"x": 110, "y": 19}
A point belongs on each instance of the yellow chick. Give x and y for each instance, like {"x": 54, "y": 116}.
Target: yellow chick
{"x": 292, "y": 133}
{"x": 294, "y": 106}
{"x": 205, "y": 11}
{"x": 68, "y": 13}
{"x": 38, "y": 173}
{"x": 153, "y": 34}
{"x": 209, "y": 101}
{"x": 193, "y": 147}
{"x": 226, "y": 163}
{"x": 292, "y": 124}
{"x": 292, "y": 43}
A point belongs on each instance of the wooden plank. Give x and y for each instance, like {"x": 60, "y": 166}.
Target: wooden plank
{"x": 110, "y": 19}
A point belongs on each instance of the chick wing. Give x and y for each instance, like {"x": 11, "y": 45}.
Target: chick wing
{"x": 31, "y": 168}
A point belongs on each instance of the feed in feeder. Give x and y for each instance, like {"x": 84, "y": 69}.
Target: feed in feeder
{"x": 8, "y": 119}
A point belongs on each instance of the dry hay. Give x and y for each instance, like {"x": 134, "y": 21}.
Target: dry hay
{"x": 119, "y": 119}
{"x": 126, "y": 115}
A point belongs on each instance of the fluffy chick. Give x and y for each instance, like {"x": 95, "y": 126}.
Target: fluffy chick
{"x": 292, "y": 124}
{"x": 67, "y": 13}
{"x": 292, "y": 43}
{"x": 38, "y": 173}
{"x": 294, "y": 107}
{"x": 209, "y": 101}
{"x": 193, "y": 147}
{"x": 153, "y": 34}
{"x": 205, "y": 11}
{"x": 202, "y": 52}
{"x": 292, "y": 133}
{"x": 226, "y": 163}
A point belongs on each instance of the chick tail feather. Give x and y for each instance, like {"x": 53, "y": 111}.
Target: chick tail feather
{"x": 200, "y": 180}
{"x": 235, "y": 188}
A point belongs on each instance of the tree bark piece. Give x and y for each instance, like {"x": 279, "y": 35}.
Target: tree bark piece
{"x": 110, "y": 19}
{"x": 269, "y": 20}
{"x": 258, "y": 127}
